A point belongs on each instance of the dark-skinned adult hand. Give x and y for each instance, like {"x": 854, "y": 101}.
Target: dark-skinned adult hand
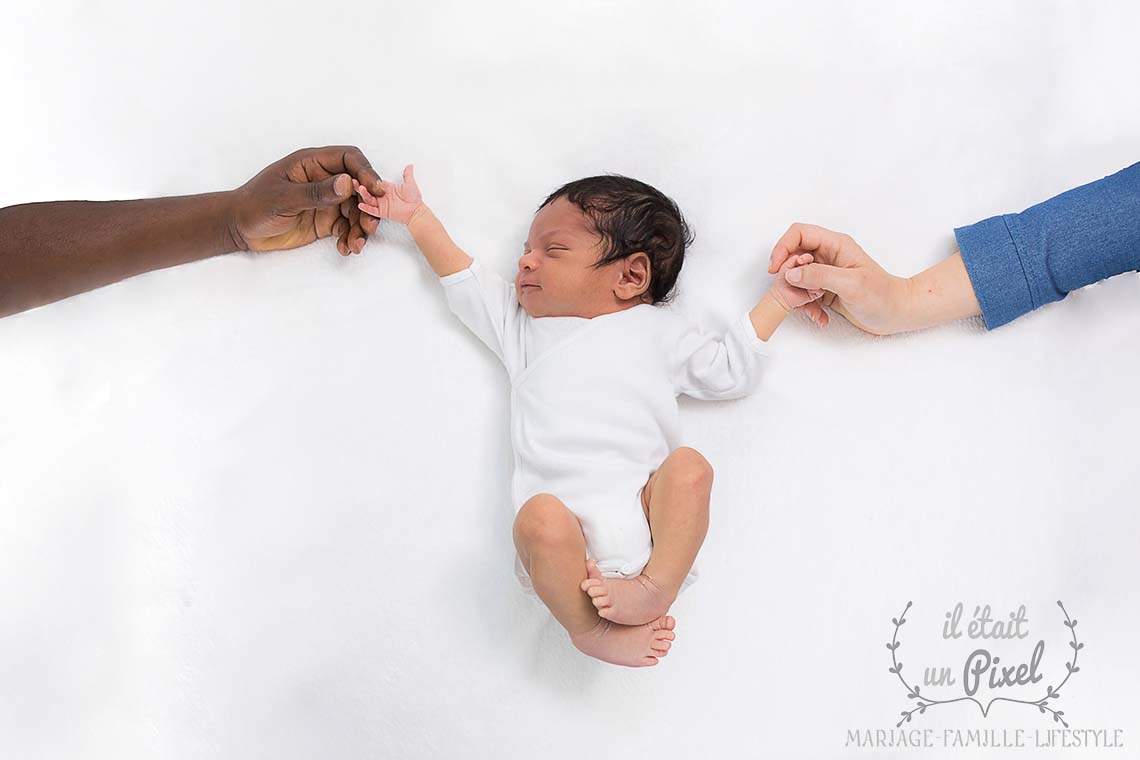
{"x": 50, "y": 251}
{"x": 306, "y": 196}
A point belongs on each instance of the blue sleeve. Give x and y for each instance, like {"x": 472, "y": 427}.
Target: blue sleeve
{"x": 1018, "y": 262}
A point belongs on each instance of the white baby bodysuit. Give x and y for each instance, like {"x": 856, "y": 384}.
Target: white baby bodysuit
{"x": 594, "y": 403}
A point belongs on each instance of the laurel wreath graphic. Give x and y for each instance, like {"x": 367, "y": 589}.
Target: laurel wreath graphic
{"x": 922, "y": 701}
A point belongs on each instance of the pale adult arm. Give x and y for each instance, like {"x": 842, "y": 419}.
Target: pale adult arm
{"x": 1006, "y": 265}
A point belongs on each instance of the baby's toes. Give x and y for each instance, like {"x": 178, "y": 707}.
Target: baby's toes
{"x": 600, "y": 596}
{"x": 597, "y": 591}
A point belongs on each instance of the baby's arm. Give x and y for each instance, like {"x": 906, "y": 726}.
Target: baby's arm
{"x": 404, "y": 204}
{"x": 782, "y": 298}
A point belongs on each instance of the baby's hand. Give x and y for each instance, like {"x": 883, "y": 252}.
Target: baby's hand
{"x": 793, "y": 298}
{"x": 397, "y": 202}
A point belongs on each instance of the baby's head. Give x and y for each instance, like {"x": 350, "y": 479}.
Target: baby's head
{"x": 600, "y": 245}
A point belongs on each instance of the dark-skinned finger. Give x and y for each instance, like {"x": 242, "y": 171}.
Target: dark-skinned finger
{"x": 356, "y": 236}
{"x": 345, "y": 212}
{"x": 324, "y": 220}
{"x": 347, "y": 209}
{"x": 303, "y": 196}
{"x": 335, "y": 159}
{"x": 369, "y": 224}
{"x": 356, "y": 164}
{"x": 340, "y": 230}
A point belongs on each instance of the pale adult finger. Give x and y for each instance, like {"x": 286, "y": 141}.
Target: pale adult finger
{"x": 823, "y": 243}
{"x": 840, "y": 280}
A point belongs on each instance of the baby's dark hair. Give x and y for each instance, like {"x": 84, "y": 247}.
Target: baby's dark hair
{"x": 633, "y": 217}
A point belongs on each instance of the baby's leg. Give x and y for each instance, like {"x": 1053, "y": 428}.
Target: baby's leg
{"x": 553, "y": 550}
{"x": 676, "y": 504}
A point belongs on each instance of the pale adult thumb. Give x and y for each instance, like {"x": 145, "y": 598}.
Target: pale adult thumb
{"x": 839, "y": 280}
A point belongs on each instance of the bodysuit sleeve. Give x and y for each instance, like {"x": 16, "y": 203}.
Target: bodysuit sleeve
{"x": 488, "y": 306}
{"x": 710, "y": 367}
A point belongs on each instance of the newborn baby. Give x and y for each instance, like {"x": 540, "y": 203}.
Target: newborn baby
{"x": 611, "y": 510}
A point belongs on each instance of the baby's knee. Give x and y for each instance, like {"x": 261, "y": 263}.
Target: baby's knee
{"x": 693, "y": 470}
{"x": 543, "y": 520}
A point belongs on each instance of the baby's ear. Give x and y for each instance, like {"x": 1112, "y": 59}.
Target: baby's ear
{"x": 636, "y": 275}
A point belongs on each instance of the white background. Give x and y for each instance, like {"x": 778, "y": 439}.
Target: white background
{"x": 257, "y": 506}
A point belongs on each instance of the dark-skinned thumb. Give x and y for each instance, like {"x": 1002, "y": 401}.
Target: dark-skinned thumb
{"x": 327, "y": 192}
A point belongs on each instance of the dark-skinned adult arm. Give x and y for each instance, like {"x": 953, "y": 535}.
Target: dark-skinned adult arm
{"x": 50, "y": 251}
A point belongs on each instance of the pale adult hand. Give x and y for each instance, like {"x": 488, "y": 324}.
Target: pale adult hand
{"x": 869, "y": 297}
{"x": 855, "y": 285}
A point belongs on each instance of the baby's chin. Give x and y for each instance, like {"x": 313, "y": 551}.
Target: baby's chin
{"x": 530, "y": 304}
{"x": 535, "y": 311}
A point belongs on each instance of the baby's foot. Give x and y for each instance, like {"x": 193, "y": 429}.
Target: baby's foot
{"x": 629, "y": 601}
{"x": 632, "y": 645}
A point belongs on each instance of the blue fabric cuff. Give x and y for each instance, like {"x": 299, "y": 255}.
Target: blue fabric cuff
{"x": 996, "y": 272}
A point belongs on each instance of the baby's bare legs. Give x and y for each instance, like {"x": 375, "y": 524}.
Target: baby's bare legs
{"x": 553, "y": 550}
{"x": 676, "y": 503}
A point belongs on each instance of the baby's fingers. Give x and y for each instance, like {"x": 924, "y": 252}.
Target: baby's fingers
{"x": 370, "y": 209}
{"x": 798, "y": 260}
{"x": 357, "y": 186}
{"x": 385, "y": 187}
{"x": 367, "y": 197}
